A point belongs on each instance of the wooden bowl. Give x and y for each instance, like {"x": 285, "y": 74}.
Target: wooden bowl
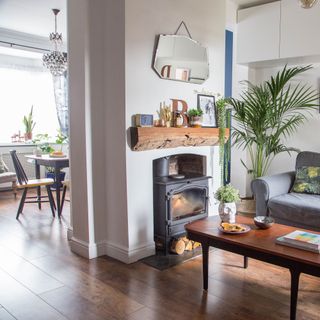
{"x": 263, "y": 222}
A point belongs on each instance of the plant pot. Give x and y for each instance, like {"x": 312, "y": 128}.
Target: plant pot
{"x": 28, "y": 136}
{"x": 196, "y": 121}
{"x": 52, "y": 175}
{"x": 227, "y": 212}
{"x": 247, "y": 207}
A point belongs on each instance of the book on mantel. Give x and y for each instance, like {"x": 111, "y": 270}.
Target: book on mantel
{"x": 301, "y": 240}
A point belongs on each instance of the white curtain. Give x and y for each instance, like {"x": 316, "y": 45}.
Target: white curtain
{"x": 60, "y": 86}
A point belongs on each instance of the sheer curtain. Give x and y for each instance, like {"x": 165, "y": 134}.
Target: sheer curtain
{"x": 60, "y": 86}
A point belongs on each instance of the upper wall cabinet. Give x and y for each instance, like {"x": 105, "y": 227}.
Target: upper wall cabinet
{"x": 299, "y": 30}
{"x": 259, "y": 33}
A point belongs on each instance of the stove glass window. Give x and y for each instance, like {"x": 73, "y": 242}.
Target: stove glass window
{"x": 188, "y": 203}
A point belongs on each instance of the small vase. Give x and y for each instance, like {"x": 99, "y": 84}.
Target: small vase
{"x": 227, "y": 212}
{"x": 196, "y": 122}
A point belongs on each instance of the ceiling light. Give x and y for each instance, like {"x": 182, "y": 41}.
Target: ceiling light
{"x": 306, "y": 4}
{"x": 56, "y": 60}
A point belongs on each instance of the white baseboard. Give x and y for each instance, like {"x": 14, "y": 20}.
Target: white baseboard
{"x": 87, "y": 250}
{"x": 69, "y": 233}
{"x": 110, "y": 249}
{"x": 125, "y": 255}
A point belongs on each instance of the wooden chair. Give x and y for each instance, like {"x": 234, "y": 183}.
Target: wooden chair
{"x": 66, "y": 186}
{"x": 25, "y": 184}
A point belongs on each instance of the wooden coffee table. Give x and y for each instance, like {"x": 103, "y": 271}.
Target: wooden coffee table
{"x": 257, "y": 244}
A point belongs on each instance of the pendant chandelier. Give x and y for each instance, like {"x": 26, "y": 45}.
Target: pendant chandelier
{"x": 306, "y": 4}
{"x": 55, "y": 60}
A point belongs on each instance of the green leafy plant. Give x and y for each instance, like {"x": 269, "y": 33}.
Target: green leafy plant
{"x": 227, "y": 194}
{"x": 268, "y": 113}
{"x": 195, "y": 113}
{"x": 221, "y": 110}
{"x": 61, "y": 138}
{"x": 28, "y": 122}
{"x": 42, "y": 140}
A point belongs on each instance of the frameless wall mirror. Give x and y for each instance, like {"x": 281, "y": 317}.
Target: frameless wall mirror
{"x": 181, "y": 58}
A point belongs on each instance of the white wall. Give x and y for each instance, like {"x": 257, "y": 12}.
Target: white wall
{"x": 145, "y": 90}
{"x": 97, "y": 118}
{"x": 111, "y": 79}
{"x": 238, "y": 172}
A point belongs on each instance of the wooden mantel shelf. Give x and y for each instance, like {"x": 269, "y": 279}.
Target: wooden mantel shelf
{"x": 162, "y": 138}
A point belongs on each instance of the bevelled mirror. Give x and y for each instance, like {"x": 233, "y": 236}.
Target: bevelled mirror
{"x": 181, "y": 58}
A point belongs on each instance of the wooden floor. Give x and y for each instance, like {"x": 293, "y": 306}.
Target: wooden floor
{"x": 41, "y": 279}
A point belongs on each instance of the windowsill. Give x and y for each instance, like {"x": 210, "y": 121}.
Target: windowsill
{"x": 16, "y": 144}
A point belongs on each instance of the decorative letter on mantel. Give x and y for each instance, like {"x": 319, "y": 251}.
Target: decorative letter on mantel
{"x": 162, "y": 138}
{"x": 183, "y": 111}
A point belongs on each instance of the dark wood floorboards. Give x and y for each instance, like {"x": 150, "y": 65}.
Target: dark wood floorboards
{"x": 41, "y": 279}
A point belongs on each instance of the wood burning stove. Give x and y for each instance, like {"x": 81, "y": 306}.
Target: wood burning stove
{"x": 180, "y": 195}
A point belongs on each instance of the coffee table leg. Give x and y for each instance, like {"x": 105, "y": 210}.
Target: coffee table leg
{"x": 295, "y": 275}
{"x": 205, "y": 264}
{"x": 245, "y": 262}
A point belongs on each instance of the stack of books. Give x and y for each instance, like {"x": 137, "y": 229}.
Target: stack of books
{"x": 301, "y": 240}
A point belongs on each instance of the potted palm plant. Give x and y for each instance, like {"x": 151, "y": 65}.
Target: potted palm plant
{"x": 29, "y": 125}
{"x": 267, "y": 113}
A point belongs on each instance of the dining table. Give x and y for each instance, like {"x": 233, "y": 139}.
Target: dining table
{"x": 57, "y": 163}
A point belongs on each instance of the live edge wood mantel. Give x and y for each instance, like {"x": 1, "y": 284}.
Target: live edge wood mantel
{"x": 162, "y": 138}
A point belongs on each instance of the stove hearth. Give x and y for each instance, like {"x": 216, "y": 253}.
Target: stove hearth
{"x": 180, "y": 195}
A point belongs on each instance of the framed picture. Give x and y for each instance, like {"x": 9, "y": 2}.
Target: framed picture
{"x": 207, "y": 104}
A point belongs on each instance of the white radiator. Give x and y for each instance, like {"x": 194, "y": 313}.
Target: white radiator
{"x": 28, "y": 167}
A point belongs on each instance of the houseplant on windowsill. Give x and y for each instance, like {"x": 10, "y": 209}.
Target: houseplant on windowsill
{"x": 228, "y": 196}
{"x": 195, "y": 117}
{"x": 29, "y": 125}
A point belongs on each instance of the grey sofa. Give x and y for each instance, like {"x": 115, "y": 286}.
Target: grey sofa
{"x": 273, "y": 197}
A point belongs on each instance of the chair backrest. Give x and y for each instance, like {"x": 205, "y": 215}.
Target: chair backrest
{"x": 308, "y": 159}
{"x": 21, "y": 175}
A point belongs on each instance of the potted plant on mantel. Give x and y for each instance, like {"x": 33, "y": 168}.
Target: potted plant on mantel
{"x": 29, "y": 125}
{"x": 228, "y": 196}
{"x": 195, "y": 117}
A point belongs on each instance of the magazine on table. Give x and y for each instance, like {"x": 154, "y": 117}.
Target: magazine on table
{"x": 301, "y": 240}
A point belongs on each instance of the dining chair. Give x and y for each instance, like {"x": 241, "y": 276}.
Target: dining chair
{"x": 25, "y": 184}
{"x": 66, "y": 186}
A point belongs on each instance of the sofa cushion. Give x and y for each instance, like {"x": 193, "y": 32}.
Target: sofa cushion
{"x": 299, "y": 208}
{"x": 307, "y": 180}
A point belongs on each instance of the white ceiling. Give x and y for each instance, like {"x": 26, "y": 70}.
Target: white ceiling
{"x": 33, "y": 16}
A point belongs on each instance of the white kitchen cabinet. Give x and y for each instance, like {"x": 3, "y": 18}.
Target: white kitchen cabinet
{"x": 299, "y": 30}
{"x": 259, "y": 33}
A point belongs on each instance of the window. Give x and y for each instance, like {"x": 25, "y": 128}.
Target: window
{"x": 25, "y": 83}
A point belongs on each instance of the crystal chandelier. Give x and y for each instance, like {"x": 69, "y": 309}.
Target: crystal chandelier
{"x": 55, "y": 61}
{"x": 306, "y": 4}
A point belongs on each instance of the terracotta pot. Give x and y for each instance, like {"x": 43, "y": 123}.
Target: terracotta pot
{"x": 28, "y": 136}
